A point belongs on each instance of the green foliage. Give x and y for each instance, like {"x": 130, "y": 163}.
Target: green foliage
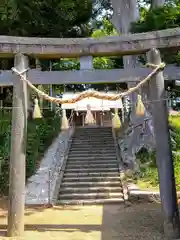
{"x": 40, "y": 134}
{"x": 175, "y": 123}
{"x": 148, "y": 169}
{"x": 46, "y": 18}
{"x": 67, "y": 64}
{"x": 177, "y": 170}
{"x": 160, "y": 18}
{"x": 106, "y": 30}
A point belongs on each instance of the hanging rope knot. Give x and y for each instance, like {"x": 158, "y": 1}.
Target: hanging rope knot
{"x": 19, "y": 73}
{"x": 161, "y": 66}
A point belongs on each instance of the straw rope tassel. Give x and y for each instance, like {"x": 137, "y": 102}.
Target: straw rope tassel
{"x": 140, "y": 109}
{"x": 89, "y": 119}
{"x": 36, "y": 111}
{"x": 64, "y": 121}
{"x": 116, "y": 122}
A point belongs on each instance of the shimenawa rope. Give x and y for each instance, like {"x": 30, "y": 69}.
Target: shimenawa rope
{"x": 91, "y": 93}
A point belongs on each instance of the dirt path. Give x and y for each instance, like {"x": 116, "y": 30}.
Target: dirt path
{"x": 109, "y": 222}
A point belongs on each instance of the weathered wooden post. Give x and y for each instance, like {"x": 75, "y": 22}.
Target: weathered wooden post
{"x": 164, "y": 151}
{"x": 18, "y": 151}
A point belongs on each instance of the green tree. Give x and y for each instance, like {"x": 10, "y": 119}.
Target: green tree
{"x": 46, "y": 18}
{"x": 160, "y": 18}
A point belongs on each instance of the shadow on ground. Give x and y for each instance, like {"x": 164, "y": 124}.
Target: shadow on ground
{"x": 138, "y": 221}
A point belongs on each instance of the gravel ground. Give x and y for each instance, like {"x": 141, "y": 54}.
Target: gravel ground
{"x": 108, "y": 222}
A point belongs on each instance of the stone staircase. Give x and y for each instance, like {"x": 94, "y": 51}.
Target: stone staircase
{"x": 91, "y": 175}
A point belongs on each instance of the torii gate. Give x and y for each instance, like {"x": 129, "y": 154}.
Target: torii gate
{"x": 86, "y": 48}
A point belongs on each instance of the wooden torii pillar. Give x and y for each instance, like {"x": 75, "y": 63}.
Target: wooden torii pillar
{"x": 164, "y": 157}
{"x": 18, "y": 151}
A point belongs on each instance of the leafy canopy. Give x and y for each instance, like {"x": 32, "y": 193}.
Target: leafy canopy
{"x": 45, "y": 18}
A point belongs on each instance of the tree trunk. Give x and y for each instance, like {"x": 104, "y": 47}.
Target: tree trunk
{"x": 126, "y": 12}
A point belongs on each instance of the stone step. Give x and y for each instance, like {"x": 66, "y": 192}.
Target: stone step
{"x": 90, "y": 179}
{"x": 92, "y": 145}
{"x": 96, "y": 195}
{"x": 90, "y": 201}
{"x": 98, "y": 159}
{"x": 90, "y": 189}
{"x": 87, "y": 138}
{"x": 86, "y": 158}
{"x": 93, "y": 128}
{"x": 98, "y": 166}
{"x": 104, "y": 146}
{"x": 86, "y": 184}
{"x": 92, "y": 170}
{"x": 91, "y": 152}
{"x": 94, "y": 156}
{"x": 92, "y": 136}
{"x": 95, "y": 137}
{"x": 93, "y": 162}
{"x": 71, "y": 164}
{"x": 87, "y": 155}
{"x": 90, "y": 174}
{"x": 95, "y": 131}
{"x": 87, "y": 169}
{"x": 92, "y": 133}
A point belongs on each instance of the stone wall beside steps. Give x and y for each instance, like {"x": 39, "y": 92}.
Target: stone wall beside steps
{"x": 41, "y": 187}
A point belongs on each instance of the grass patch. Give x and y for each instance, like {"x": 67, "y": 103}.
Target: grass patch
{"x": 147, "y": 177}
{"x": 40, "y": 134}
